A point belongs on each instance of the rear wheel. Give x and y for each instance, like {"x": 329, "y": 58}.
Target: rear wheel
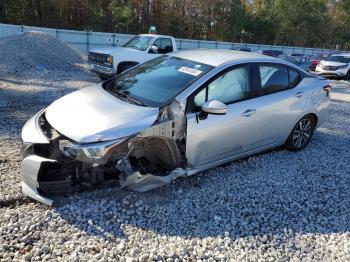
{"x": 301, "y": 134}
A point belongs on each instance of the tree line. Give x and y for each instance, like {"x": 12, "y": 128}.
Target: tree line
{"x": 308, "y": 23}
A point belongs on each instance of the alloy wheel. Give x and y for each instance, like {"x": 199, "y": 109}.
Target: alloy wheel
{"x": 302, "y": 133}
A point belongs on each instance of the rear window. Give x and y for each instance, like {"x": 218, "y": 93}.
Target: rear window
{"x": 294, "y": 78}
{"x": 275, "y": 78}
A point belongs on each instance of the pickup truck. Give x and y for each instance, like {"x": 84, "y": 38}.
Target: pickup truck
{"x": 107, "y": 62}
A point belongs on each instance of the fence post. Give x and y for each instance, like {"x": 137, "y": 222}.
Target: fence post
{"x": 180, "y": 48}
{"x": 113, "y": 36}
{"x": 22, "y": 28}
{"x": 87, "y": 41}
{"x": 216, "y": 44}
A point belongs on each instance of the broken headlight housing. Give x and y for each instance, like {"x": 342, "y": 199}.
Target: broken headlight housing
{"x": 92, "y": 153}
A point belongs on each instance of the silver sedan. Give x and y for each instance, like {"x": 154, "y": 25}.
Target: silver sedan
{"x": 173, "y": 116}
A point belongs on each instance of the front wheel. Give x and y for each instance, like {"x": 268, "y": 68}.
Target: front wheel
{"x": 347, "y": 77}
{"x": 301, "y": 134}
{"x": 103, "y": 77}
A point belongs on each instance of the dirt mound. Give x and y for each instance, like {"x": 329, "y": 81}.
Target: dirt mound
{"x": 35, "y": 52}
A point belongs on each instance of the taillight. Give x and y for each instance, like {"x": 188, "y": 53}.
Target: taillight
{"x": 315, "y": 62}
{"x": 327, "y": 89}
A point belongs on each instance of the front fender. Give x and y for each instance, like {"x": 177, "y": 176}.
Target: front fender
{"x": 31, "y": 131}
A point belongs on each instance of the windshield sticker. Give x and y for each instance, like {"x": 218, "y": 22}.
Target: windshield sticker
{"x": 190, "y": 71}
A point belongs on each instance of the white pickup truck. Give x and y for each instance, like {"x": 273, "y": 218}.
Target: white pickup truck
{"x": 107, "y": 62}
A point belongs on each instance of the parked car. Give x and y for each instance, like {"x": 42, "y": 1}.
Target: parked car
{"x": 176, "y": 115}
{"x": 244, "y": 49}
{"x": 301, "y": 61}
{"x": 315, "y": 60}
{"x": 107, "y": 62}
{"x": 273, "y": 53}
{"x": 336, "y": 66}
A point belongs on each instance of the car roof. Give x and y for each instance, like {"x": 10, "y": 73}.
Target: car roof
{"x": 216, "y": 57}
{"x": 155, "y": 35}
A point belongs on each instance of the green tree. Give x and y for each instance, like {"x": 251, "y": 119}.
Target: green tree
{"x": 300, "y": 22}
{"x": 121, "y": 16}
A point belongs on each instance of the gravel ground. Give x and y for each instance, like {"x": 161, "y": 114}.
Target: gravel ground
{"x": 276, "y": 206}
{"x": 34, "y": 52}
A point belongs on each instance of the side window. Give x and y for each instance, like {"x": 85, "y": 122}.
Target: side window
{"x": 294, "y": 78}
{"x": 200, "y": 98}
{"x": 164, "y": 45}
{"x": 273, "y": 79}
{"x": 229, "y": 87}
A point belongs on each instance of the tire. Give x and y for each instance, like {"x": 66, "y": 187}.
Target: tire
{"x": 103, "y": 77}
{"x": 124, "y": 67}
{"x": 347, "y": 77}
{"x": 301, "y": 134}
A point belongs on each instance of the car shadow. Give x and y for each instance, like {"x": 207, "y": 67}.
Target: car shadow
{"x": 240, "y": 199}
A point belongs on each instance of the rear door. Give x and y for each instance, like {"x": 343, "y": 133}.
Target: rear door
{"x": 280, "y": 101}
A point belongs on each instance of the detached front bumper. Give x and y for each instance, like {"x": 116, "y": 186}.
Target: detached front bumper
{"x": 31, "y": 167}
{"x": 39, "y": 172}
{"x": 108, "y": 71}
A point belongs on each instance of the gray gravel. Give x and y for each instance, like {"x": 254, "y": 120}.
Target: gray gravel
{"x": 34, "y": 53}
{"x": 276, "y": 206}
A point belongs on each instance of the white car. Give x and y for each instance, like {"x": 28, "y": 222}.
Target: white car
{"x": 337, "y": 65}
{"x": 108, "y": 62}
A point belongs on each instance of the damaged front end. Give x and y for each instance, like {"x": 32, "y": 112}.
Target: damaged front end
{"x": 55, "y": 164}
{"x": 156, "y": 155}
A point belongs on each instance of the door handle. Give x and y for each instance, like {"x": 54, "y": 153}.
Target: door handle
{"x": 299, "y": 94}
{"x": 249, "y": 112}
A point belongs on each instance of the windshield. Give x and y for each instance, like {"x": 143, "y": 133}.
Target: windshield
{"x": 139, "y": 42}
{"x": 157, "y": 81}
{"x": 339, "y": 59}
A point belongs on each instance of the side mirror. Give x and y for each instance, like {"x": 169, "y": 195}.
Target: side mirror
{"x": 154, "y": 49}
{"x": 214, "y": 107}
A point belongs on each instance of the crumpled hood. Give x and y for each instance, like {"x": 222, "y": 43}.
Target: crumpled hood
{"x": 92, "y": 114}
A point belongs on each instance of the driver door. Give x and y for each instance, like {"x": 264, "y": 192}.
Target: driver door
{"x": 211, "y": 138}
{"x": 164, "y": 46}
